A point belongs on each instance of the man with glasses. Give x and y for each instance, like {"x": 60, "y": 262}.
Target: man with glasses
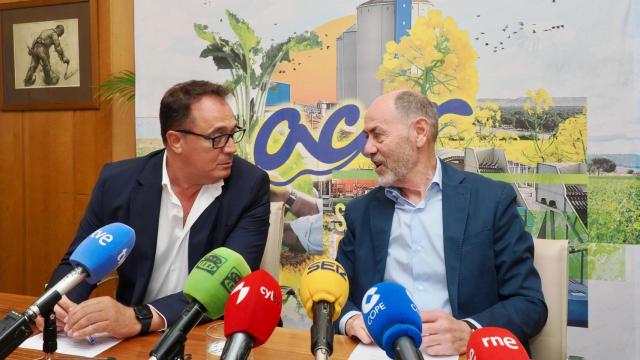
{"x": 182, "y": 201}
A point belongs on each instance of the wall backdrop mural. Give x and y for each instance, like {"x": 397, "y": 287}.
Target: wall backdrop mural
{"x": 542, "y": 95}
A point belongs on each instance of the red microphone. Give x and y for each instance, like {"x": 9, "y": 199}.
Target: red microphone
{"x": 251, "y": 314}
{"x": 495, "y": 344}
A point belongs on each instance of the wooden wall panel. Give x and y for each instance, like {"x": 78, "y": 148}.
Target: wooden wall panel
{"x": 49, "y": 192}
{"x": 122, "y": 29}
{"x": 50, "y": 160}
{"x": 12, "y": 266}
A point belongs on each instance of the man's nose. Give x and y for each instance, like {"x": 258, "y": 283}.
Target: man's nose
{"x": 369, "y": 148}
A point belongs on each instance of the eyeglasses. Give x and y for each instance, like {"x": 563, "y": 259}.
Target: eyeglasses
{"x": 219, "y": 141}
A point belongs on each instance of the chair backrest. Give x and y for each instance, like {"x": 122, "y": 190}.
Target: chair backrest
{"x": 551, "y": 261}
{"x": 271, "y": 256}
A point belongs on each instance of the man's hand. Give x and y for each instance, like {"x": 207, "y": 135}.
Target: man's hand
{"x": 442, "y": 334}
{"x": 102, "y": 315}
{"x": 66, "y": 60}
{"x": 61, "y": 309}
{"x": 355, "y": 327}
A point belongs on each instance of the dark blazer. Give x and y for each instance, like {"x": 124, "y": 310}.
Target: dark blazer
{"x": 130, "y": 191}
{"x": 488, "y": 253}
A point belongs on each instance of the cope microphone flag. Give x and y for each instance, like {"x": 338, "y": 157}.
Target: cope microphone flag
{"x": 251, "y": 314}
{"x": 393, "y": 320}
{"x": 207, "y": 288}
{"x": 324, "y": 290}
{"x": 495, "y": 344}
{"x": 94, "y": 258}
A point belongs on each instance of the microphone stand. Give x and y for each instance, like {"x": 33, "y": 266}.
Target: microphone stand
{"x": 322, "y": 330}
{"x": 49, "y": 335}
{"x": 404, "y": 349}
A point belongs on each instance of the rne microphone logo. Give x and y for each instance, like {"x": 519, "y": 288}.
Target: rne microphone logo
{"x": 370, "y": 299}
{"x": 243, "y": 292}
{"x": 498, "y": 341}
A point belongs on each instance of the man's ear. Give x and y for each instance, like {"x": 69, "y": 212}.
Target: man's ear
{"x": 174, "y": 141}
{"x": 422, "y": 130}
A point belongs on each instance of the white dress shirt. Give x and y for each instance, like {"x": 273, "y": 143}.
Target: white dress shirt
{"x": 171, "y": 263}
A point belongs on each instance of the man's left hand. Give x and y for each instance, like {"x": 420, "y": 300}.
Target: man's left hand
{"x": 102, "y": 315}
{"x": 442, "y": 334}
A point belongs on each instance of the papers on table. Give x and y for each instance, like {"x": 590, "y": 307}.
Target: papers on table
{"x": 373, "y": 352}
{"x": 70, "y": 346}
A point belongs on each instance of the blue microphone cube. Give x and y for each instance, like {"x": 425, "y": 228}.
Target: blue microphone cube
{"x": 390, "y": 313}
{"x": 104, "y": 250}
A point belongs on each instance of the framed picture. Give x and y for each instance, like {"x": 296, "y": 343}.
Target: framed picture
{"x": 49, "y": 57}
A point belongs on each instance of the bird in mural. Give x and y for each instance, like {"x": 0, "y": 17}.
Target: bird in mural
{"x": 534, "y": 31}
{"x": 328, "y": 46}
{"x": 478, "y": 15}
{"x": 275, "y": 24}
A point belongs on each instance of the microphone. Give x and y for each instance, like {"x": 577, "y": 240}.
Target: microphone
{"x": 496, "y": 344}
{"x": 251, "y": 314}
{"x": 207, "y": 288}
{"x": 94, "y": 258}
{"x": 324, "y": 290}
{"x": 393, "y": 320}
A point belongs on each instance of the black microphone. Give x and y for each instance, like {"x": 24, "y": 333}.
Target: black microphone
{"x": 207, "y": 288}
{"x": 94, "y": 258}
{"x": 324, "y": 289}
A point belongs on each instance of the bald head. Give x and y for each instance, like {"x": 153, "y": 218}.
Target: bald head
{"x": 407, "y": 105}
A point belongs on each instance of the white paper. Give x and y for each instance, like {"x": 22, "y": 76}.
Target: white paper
{"x": 373, "y": 352}
{"x": 70, "y": 346}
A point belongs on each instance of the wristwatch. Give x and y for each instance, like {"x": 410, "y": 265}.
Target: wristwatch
{"x": 144, "y": 316}
{"x": 471, "y": 325}
{"x": 290, "y": 200}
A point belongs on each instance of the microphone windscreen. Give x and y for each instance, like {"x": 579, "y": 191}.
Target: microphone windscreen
{"x": 104, "y": 250}
{"x": 496, "y": 344}
{"x": 389, "y": 313}
{"x": 324, "y": 280}
{"x": 212, "y": 279}
{"x": 254, "y": 307}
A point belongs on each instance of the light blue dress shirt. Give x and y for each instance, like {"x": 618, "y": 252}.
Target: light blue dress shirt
{"x": 415, "y": 256}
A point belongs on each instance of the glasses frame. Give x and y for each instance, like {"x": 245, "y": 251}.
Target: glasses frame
{"x": 215, "y": 138}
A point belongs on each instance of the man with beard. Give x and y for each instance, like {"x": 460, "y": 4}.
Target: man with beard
{"x": 453, "y": 239}
{"x": 182, "y": 201}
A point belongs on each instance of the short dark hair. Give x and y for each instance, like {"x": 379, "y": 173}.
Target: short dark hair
{"x": 411, "y": 104}
{"x": 175, "y": 106}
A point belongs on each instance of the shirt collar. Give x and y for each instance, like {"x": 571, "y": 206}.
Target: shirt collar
{"x": 394, "y": 193}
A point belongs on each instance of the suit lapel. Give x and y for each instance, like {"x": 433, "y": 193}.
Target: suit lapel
{"x": 381, "y": 214}
{"x": 203, "y": 230}
{"x": 455, "y": 207}
{"x": 145, "y": 211}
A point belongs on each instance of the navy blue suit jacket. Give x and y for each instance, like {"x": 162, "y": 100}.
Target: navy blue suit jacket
{"x": 130, "y": 191}
{"x": 488, "y": 253}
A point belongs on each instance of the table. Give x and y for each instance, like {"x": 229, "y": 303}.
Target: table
{"x": 284, "y": 344}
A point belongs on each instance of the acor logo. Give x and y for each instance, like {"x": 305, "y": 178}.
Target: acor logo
{"x": 370, "y": 299}
{"x": 243, "y": 292}
{"x": 322, "y": 149}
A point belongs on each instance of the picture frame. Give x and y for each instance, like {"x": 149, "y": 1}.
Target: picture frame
{"x": 49, "y": 56}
